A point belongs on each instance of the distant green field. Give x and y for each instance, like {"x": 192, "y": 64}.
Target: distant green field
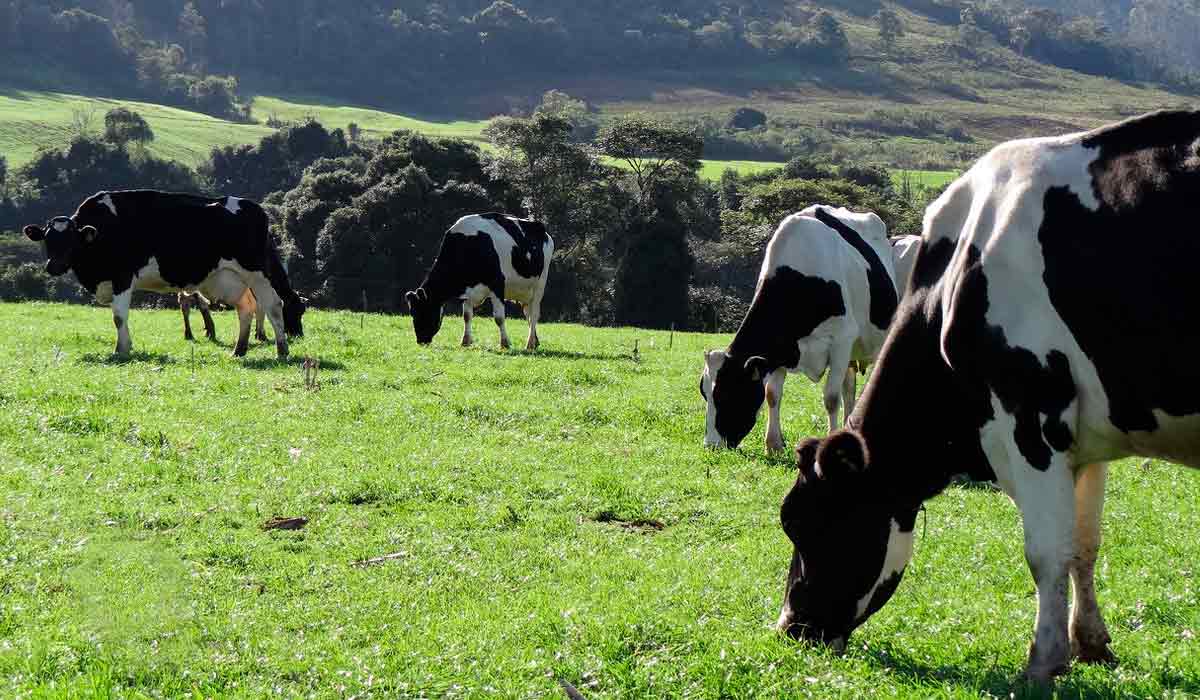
{"x": 548, "y": 515}
{"x": 32, "y": 120}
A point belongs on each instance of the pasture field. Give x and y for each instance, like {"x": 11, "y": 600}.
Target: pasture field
{"x": 30, "y": 120}
{"x": 551, "y": 515}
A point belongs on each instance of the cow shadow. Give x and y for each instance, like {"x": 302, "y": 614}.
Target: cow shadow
{"x": 560, "y": 354}
{"x": 1002, "y": 681}
{"x": 135, "y": 357}
{"x": 273, "y": 362}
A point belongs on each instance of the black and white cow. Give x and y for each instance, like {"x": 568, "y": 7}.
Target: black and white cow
{"x": 1025, "y": 364}
{"x": 117, "y": 242}
{"x": 904, "y": 254}
{"x": 189, "y": 299}
{"x": 485, "y": 256}
{"x": 825, "y": 298}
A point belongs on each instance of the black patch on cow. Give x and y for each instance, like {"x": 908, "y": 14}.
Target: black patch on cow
{"x": 881, "y": 285}
{"x": 529, "y": 253}
{"x": 788, "y": 308}
{"x": 1123, "y": 277}
{"x": 1027, "y": 387}
{"x": 186, "y": 234}
{"x": 703, "y": 395}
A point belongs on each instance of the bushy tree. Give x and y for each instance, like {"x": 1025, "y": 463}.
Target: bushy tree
{"x": 891, "y": 27}
{"x": 124, "y": 126}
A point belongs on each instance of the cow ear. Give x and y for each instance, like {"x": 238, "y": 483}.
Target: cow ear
{"x": 842, "y": 453}
{"x": 34, "y": 233}
{"x": 411, "y": 298}
{"x": 89, "y": 233}
{"x": 806, "y": 455}
{"x": 756, "y": 367}
{"x": 422, "y": 294}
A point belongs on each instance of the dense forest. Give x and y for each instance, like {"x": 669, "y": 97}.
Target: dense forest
{"x": 197, "y": 53}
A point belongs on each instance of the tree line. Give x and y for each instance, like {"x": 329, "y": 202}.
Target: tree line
{"x": 357, "y": 218}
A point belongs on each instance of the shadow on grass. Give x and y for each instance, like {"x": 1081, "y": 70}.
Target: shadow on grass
{"x": 559, "y": 354}
{"x": 273, "y": 362}
{"x": 152, "y": 358}
{"x": 1001, "y": 681}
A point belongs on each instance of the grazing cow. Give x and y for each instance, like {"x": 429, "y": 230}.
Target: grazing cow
{"x": 1022, "y": 363}
{"x": 904, "y": 254}
{"x": 189, "y": 299}
{"x": 485, "y": 256}
{"x": 825, "y": 298}
{"x": 117, "y": 242}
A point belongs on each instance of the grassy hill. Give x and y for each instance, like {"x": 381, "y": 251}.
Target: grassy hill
{"x": 547, "y": 516}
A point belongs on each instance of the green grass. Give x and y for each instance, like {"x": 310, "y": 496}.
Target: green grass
{"x": 373, "y": 122}
{"x": 134, "y": 563}
{"x": 30, "y": 120}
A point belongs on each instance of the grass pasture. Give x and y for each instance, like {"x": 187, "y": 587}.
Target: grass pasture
{"x": 522, "y": 496}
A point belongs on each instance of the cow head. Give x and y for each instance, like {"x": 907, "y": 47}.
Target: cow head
{"x": 849, "y": 546}
{"x": 732, "y": 386}
{"x": 293, "y": 314}
{"x": 62, "y": 239}
{"x": 426, "y": 315}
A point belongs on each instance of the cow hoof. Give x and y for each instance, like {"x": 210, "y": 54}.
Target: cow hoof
{"x": 776, "y": 447}
{"x": 505, "y": 346}
{"x": 188, "y": 336}
{"x": 466, "y": 342}
{"x": 1095, "y": 654}
{"x": 240, "y": 350}
{"x": 260, "y": 337}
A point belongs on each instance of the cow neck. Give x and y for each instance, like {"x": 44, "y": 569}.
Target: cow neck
{"x": 760, "y": 335}
{"x": 920, "y": 426}
{"x": 438, "y": 283}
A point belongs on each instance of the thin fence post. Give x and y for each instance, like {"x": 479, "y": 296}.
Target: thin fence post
{"x": 671, "y": 342}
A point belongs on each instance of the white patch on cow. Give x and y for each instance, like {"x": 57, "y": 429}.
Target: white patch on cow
{"x": 476, "y": 295}
{"x": 60, "y": 226}
{"x": 899, "y": 552}
{"x": 904, "y": 254}
{"x": 104, "y": 292}
{"x": 712, "y": 364}
{"x": 233, "y": 204}
{"x": 106, "y": 200}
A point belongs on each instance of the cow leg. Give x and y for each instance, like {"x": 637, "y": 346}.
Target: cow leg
{"x": 120, "y": 312}
{"x": 210, "y": 330}
{"x": 533, "y": 312}
{"x": 1089, "y": 635}
{"x": 265, "y": 296}
{"x": 839, "y": 365}
{"x": 1046, "y": 500}
{"x": 245, "y": 312}
{"x": 468, "y": 312}
{"x": 849, "y": 391}
{"x": 185, "y": 307}
{"x": 774, "y": 389}
{"x": 498, "y": 315}
{"x": 260, "y": 333}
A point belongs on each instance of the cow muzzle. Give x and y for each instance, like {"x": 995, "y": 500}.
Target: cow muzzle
{"x": 54, "y": 268}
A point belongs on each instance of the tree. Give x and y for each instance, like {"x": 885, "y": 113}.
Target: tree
{"x": 194, "y": 28}
{"x": 891, "y": 27}
{"x": 353, "y": 131}
{"x": 123, "y": 126}
{"x": 651, "y": 150}
{"x": 830, "y": 37}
